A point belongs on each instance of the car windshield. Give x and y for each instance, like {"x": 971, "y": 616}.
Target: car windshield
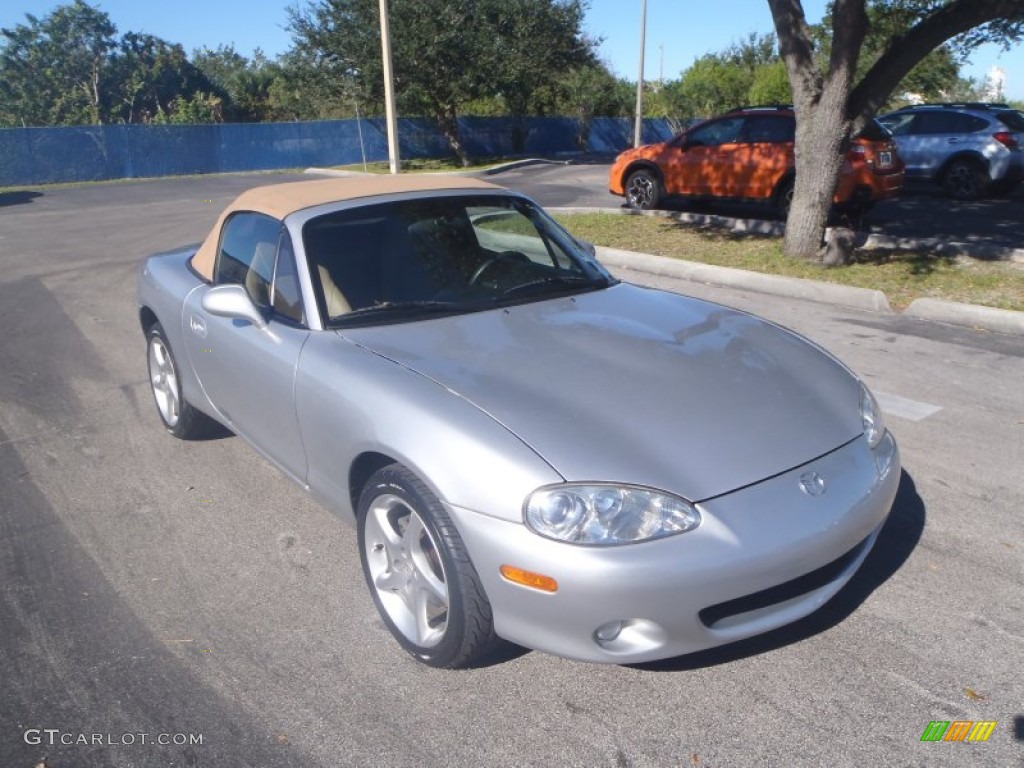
{"x": 409, "y": 259}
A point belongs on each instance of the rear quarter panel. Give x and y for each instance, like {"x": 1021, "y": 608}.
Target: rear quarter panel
{"x": 164, "y": 281}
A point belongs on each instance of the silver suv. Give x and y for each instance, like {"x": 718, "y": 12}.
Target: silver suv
{"x": 971, "y": 149}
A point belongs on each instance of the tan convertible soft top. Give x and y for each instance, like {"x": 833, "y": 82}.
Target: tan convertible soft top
{"x": 279, "y": 200}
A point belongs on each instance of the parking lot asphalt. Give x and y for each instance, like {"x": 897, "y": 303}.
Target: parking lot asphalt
{"x": 151, "y": 586}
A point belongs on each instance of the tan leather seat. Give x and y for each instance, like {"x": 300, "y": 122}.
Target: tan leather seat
{"x": 336, "y": 302}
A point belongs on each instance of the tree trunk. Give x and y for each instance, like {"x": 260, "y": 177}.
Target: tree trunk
{"x": 822, "y": 125}
{"x": 448, "y": 121}
{"x": 820, "y": 148}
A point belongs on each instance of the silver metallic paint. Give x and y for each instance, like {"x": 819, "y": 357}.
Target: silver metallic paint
{"x": 639, "y": 386}
{"x": 624, "y": 384}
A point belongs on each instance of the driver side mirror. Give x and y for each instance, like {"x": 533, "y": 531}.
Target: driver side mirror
{"x": 232, "y": 301}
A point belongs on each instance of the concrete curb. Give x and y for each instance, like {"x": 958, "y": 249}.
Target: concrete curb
{"x": 812, "y": 290}
{"x": 970, "y": 315}
{"x": 474, "y": 172}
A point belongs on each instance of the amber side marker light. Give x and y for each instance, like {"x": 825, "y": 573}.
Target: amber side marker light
{"x": 529, "y": 578}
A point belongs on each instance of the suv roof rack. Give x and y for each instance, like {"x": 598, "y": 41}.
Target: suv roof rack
{"x": 765, "y": 107}
{"x": 956, "y": 105}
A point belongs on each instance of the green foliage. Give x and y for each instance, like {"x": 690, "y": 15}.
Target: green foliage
{"x": 748, "y": 72}
{"x": 243, "y": 84}
{"x": 198, "y": 108}
{"x": 52, "y": 69}
{"x": 69, "y": 69}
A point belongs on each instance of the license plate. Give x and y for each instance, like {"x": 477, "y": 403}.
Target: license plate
{"x": 884, "y": 159}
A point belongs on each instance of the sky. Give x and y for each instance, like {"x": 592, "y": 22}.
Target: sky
{"x": 678, "y": 31}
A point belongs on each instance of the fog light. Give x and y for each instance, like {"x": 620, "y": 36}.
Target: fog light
{"x": 606, "y": 633}
{"x": 529, "y": 578}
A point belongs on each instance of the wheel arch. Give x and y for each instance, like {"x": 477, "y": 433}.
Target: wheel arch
{"x": 643, "y": 165}
{"x": 970, "y": 155}
{"x": 362, "y": 469}
{"x": 147, "y": 318}
{"x": 787, "y": 178}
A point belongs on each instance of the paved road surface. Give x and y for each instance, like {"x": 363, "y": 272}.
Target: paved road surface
{"x": 150, "y": 586}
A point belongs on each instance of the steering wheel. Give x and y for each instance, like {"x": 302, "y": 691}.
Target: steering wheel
{"x": 495, "y": 259}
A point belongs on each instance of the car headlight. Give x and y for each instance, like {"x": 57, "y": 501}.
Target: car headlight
{"x": 871, "y": 418}
{"x": 601, "y": 514}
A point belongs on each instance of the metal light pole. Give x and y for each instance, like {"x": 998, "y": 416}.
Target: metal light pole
{"x": 389, "y": 88}
{"x": 640, "y": 78}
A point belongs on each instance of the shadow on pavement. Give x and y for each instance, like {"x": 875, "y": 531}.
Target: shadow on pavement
{"x": 898, "y": 538}
{"x": 18, "y": 197}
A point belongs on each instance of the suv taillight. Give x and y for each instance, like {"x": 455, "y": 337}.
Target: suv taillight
{"x": 857, "y": 153}
{"x": 1007, "y": 139}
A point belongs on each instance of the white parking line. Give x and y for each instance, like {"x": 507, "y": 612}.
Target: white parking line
{"x": 904, "y": 407}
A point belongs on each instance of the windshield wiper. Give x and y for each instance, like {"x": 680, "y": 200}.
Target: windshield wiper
{"x": 555, "y": 283}
{"x": 403, "y": 310}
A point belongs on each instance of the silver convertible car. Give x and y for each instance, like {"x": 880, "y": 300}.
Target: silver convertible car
{"x": 530, "y": 450}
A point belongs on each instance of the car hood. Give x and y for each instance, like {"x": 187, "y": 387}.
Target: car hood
{"x": 639, "y": 386}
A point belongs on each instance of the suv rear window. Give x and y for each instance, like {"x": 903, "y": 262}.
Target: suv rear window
{"x": 874, "y": 131}
{"x": 1012, "y": 120}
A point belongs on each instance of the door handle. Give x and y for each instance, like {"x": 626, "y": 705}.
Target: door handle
{"x": 198, "y": 326}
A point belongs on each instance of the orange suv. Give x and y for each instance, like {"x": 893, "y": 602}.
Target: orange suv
{"x": 747, "y": 154}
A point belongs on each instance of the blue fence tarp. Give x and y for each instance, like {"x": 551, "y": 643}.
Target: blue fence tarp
{"x": 93, "y": 153}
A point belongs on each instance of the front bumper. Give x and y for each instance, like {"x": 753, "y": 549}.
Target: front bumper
{"x": 763, "y": 556}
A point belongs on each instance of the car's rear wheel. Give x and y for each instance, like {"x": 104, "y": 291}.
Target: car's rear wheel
{"x": 965, "y": 180}
{"x": 177, "y": 414}
{"x": 783, "y": 198}
{"x": 643, "y": 189}
{"x": 419, "y": 573}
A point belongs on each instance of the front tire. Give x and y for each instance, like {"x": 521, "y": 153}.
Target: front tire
{"x": 419, "y": 573}
{"x": 965, "y": 180}
{"x": 177, "y": 414}
{"x": 643, "y": 190}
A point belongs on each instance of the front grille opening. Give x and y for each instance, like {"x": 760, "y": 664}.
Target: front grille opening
{"x": 780, "y": 593}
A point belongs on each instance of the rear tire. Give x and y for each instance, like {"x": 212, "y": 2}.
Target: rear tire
{"x": 965, "y": 180}
{"x": 783, "y": 198}
{"x": 177, "y": 414}
{"x": 419, "y": 573}
{"x": 643, "y": 190}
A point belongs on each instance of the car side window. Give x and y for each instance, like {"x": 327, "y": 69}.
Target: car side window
{"x": 769, "y": 129}
{"x": 715, "y": 132}
{"x": 287, "y": 295}
{"x": 947, "y": 122}
{"x": 248, "y": 245}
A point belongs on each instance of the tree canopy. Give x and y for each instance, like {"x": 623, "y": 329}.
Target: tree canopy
{"x": 835, "y": 96}
{"x": 446, "y": 53}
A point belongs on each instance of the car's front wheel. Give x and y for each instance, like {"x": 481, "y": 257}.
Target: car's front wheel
{"x": 965, "y": 180}
{"x": 177, "y": 414}
{"x": 643, "y": 189}
{"x": 419, "y": 572}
